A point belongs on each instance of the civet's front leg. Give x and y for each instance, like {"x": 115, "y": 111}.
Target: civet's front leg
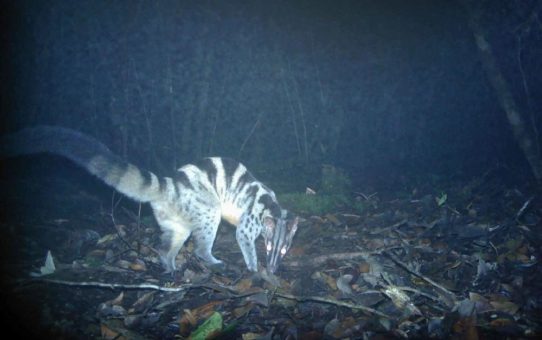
{"x": 246, "y": 234}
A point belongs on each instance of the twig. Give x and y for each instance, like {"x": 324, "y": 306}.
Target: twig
{"x": 494, "y": 249}
{"x": 366, "y": 197}
{"x": 117, "y": 229}
{"x": 250, "y": 134}
{"x": 139, "y": 216}
{"x": 115, "y": 285}
{"x": 142, "y": 286}
{"x": 332, "y": 302}
{"x": 530, "y": 109}
{"x": 319, "y": 260}
{"x": 524, "y": 207}
{"x": 302, "y": 115}
{"x": 394, "y": 228}
{"x": 172, "y": 116}
{"x": 419, "y": 292}
{"x": 133, "y": 216}
{"x": 146, "y": 113}
{"x": 292, "y": 109}
{"x": 453, "y": 210}
{"x": 448, "y": 297}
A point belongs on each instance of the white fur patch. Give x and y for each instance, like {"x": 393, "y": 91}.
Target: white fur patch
{"x": 231, "y": 213}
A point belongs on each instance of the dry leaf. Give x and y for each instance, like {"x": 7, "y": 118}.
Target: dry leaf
{"x": 132, "y": 321}
{"x": 251, "y": 336}
{"x": 327, "y": 279}
{"x": 244, "y": 285}
{"x": 332, "y": 327}
{"x": 142, "y": 303}
{"x": 191, "y": 318}
{"x": 121, "y": 229}
{"x": 296, "y": 251}
{"x": 475, "y": 297}
{"x": 107, "y": 238}
{"x": 455, "y": 265}
{"x": 501, "y": 322}
{"x": 138, "y": 266}
{"x": 364, "y": 267}
{"x": 243, "y": 310}
{"x": 118, "y": 300}
{"x": 109, "y": 334}
{"x": 466, "y": 327}
{"x": 401, "y": 300}
{"x": 188, "y": 318}
{"x": 123, "y": 264}
{"x": 260, "y": 299}
{"x": 333, "y": 219}
{"x": 505, "y": 306}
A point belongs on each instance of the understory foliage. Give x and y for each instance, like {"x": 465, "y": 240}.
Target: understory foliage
{"x": 348, "y": 83}
{"x": 335, "y": 193}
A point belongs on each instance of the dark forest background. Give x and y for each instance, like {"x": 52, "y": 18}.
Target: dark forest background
{"x": 380, "y": 88}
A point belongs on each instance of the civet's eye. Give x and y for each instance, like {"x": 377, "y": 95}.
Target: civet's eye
{"x": 269, "y": 246}
{"x": 283, "y": 251}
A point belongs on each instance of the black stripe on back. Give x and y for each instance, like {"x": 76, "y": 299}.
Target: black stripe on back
{"x": 181, "y": 177}
{"x": 230, "y": 166}
{"x": 251, "y": 192}
{"x": 208, "y": 166}
{"x": 243, "y": 180}
{"x": 250, "y": 195}
{"x": 270, "y": 204}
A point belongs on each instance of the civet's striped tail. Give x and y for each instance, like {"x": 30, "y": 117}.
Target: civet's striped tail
{"x": 140, "y": 185}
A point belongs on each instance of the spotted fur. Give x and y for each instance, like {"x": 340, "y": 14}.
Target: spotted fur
{"x": 191, "y": 202}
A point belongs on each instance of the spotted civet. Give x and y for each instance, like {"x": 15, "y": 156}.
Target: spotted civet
{"x": 190, "y": 202}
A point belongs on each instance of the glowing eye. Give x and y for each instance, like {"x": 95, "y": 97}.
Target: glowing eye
{"x": 283, "y": 251}
{"x": 269, "y": 247}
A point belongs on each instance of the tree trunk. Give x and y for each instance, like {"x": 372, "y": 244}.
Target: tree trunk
{"x": 496, "y": 78}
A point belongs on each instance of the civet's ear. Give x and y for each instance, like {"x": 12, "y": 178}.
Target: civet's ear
{"x": 292, "y": 225}
{"x": 292, "y": 229}
{"x": 269, "y": 225}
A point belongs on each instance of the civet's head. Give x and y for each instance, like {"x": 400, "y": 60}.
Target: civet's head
{"x": 278, "y": 235}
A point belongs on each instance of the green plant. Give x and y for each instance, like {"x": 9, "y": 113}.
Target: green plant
{"x": 441, "y": 200}
{"x": 319, "y": 204}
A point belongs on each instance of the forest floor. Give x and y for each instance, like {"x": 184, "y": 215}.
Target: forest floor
{"x": 462, "y": 263}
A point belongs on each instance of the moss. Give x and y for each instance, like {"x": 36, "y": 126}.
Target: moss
{"x": 333, "y": 195}
{"x": 319, "y": 204}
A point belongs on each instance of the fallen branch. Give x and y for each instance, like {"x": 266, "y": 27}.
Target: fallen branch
{"x": 332, "y": 302}
{"x": 447, "y": 296}
{"x": 115, "y": 285}
{"x": 142, "y": 286}
{"x": 230, "y": 290}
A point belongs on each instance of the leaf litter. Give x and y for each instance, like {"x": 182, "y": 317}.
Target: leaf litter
{"x": 461, "y": 262}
